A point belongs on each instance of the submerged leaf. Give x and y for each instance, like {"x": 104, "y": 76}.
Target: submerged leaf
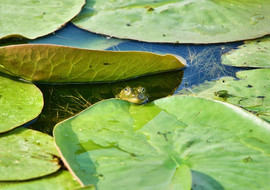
{"x": 118, "y": 145}
{"x": 27, "y": 154}
{"x": 251, "y": 92}
{"x": 254, "y": 53}
{"x": 182, "y": 21}
{"x": 20, "y": 103}
{"x": 35, "y": 18}
{"x": 51, "y": 63}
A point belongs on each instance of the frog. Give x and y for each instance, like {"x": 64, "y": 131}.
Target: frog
{"x": 134, "y": 95}
{"x": 222, "y": 93}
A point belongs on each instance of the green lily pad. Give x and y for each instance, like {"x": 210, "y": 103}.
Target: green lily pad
{"x": 254, "y": 53}
{"x": 35, "y": 18}
{"x": 61, "y": 180}
{"x": 27, "y": 154}
{"x": 251, "y": 92}
{"x": 20, "y": 103}
{"x": 182, "y": 21}
{"x": 51, "y": 63}
{"x": 162, "y": 145}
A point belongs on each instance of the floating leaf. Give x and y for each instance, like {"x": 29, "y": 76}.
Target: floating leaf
{"x": 254, "y": 53}
{"x": 51, "y": 63}
{"x": 182, "y": 21}
{"x": 61, "y": 180}
{"x": 35, "y": 18}
{"x": 118, "y": 145}
{"x": 27, "y": 154}
{"x": 251, "y": 92}
{"x": 20, "y": 103}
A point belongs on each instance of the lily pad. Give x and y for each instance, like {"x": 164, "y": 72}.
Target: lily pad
{"x": 162, "y": 145}
{"x": 61, "y": 180}
{"x": 27, "y": 154}
{"x": 52, "y": 63}
{"x": 35, "y": 18}
{"x": 254, "y": 53}
{"x": 182, "y": 21}
{"x": 251, "y": 92}
{"x": 20, "y": 103}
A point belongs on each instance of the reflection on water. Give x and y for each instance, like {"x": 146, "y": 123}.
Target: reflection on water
{"x": 64, "y": 101}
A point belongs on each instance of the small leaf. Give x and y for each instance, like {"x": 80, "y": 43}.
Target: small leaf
{"x": 51, "y": 63}
{"x": 251, "y": 92}
{"x": 35, "y": 18}
{"x": 254, "y": 53}
{"x": 27, "y": 154}
{"x": 20, "y": 103}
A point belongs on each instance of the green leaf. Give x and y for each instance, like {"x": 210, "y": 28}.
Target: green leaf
{"x": 61, "y": 180}
{"x": 20, "y": 103}
{"x": 118, "y": 145}
{"x": 251, "y": 92}
{"x": 27, "y": 154}
{"x": 35, "y": 18}
{"x": 254, "y": 53}
{"x": 51, "y": 63}
{"x": 182, "y": 21}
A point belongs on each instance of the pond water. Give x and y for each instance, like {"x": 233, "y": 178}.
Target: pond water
{"x": 63, "y": 101}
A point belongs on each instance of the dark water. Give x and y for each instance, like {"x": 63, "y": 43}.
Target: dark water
{"x": 63, "y": 101}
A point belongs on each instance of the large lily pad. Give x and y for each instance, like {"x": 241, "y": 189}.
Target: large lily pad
{"x": 35, "y": 18}
{"x": 251, "y": 92}
{"x": 51, "y": 63}
{"x": 27, "y": 154}
{"x": 162, "y": 145}
{"x": 61, "y": 180}
{"x": 254, "y": 53}
{"x": 20, "y": 103}
{"x": 184, "y": 21}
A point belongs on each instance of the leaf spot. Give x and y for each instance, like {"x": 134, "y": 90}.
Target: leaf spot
{"x": 248, "y": 159}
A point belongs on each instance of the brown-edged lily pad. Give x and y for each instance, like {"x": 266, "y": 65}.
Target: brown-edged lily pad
{"x": 52, "y": 63}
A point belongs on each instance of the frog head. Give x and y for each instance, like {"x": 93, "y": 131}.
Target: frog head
{"x": 134, "y": 95}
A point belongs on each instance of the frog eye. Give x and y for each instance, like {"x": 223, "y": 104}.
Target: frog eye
{"x": 127, "y": 90}
{"x": 141, "y": 89}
